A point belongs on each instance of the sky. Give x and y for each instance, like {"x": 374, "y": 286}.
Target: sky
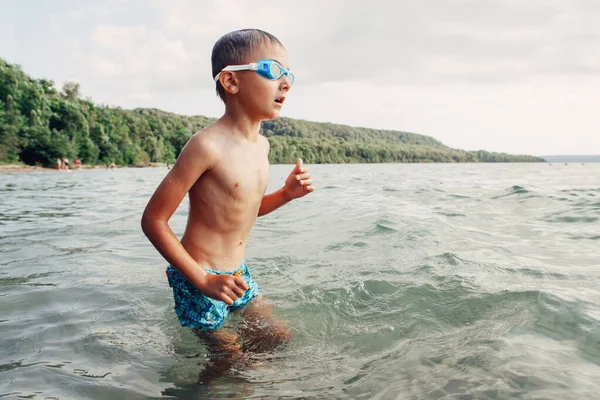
{"x": 513, "y": 76}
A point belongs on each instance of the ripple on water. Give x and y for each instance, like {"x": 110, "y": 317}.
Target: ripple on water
{"x": 517, "y": 191}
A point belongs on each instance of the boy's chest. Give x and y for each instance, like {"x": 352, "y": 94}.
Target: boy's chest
{"x": 244, "y": 175}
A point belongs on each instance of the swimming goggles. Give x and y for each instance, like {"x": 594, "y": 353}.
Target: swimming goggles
{"x": 270, "y": 69}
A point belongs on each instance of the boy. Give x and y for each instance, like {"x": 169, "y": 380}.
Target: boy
{"x": 225, "y": 170}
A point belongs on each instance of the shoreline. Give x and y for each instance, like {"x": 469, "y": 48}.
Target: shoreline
{"x": 22, "y": 168}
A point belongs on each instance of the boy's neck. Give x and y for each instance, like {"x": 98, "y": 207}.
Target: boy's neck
{"x": 241, "y": 123}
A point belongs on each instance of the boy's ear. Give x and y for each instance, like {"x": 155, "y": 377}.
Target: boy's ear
{"x": 229, "y": 82}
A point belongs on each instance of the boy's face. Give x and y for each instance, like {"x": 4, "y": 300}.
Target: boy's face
{"x": 261, "y": 97}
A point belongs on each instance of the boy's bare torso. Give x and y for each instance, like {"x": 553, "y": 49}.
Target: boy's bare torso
{"x": 225, "y": 200}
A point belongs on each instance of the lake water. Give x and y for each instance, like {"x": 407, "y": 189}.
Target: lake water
{"x": 400, "y": 281}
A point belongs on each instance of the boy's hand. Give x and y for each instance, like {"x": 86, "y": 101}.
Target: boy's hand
{"x": 299, "y": 182}
{"x": 226, "y": 288}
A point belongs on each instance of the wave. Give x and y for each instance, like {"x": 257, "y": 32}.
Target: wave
{"x": 518, "y": 191}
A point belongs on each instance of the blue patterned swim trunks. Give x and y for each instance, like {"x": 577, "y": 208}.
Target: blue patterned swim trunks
{"x": 197, "y": 311}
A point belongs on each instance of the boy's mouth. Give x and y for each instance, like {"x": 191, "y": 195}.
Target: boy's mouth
{"x": 280, "y": 100}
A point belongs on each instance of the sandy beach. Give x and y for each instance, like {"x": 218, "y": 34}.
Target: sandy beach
{"x": 16, "y": 168}
{"x": 10, "y": 168}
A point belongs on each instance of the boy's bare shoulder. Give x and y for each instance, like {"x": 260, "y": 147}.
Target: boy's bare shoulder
{"x": 207, "y": 137}
{"x": 205, "y": 143}
{"x": 265, "y": 142}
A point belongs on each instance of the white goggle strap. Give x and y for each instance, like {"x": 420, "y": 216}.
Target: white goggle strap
{"x": 251, "y": 66}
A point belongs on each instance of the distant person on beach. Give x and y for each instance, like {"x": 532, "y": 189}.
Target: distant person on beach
{"x": 65, "y": 164}
{"x": 225, "y": 170}
{"x": 78, "y": 163}
{"x": 58, "y": 164}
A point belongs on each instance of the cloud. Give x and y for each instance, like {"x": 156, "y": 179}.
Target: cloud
{"x": 139, "y": 51}
{"x": 347, "y": 41}
{"x": 425, "y": 42}
{"x": 140, "y": 61}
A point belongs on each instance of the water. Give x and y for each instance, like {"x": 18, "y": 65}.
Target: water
{"x": 400, "y": 282}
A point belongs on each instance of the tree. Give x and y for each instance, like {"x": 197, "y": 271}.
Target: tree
{"x": 10, "y": 126}
{"x": 70, "y": 91}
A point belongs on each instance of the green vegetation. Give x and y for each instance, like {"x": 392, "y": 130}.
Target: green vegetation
{"x": 39, "y": 124}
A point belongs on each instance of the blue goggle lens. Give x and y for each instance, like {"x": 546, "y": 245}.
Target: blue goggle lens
{"x": 276, "y": 70}
{"x": 273, "y": 70}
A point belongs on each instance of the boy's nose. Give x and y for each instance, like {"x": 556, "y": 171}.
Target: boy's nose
{"x": 285, "y": 83}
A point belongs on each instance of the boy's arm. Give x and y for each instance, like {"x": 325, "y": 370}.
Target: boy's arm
{"x": 198, "y": 156}
{"x": 297, "y": 184}
{"x": 271, "y": 202}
